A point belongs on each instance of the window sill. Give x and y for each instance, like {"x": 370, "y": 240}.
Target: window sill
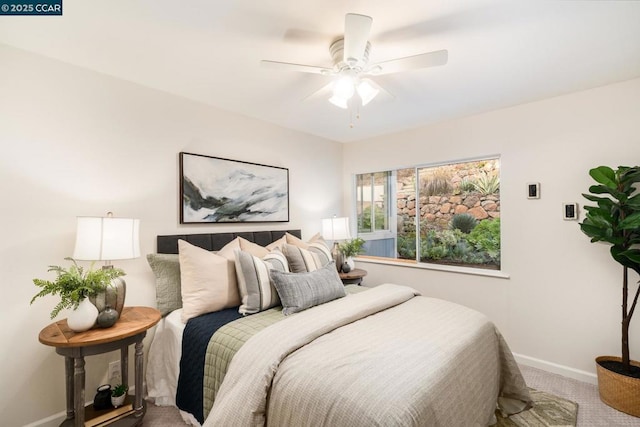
{"x": 438, "y": 267}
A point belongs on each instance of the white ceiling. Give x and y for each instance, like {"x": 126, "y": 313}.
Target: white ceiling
{"x": 501, "y": 53}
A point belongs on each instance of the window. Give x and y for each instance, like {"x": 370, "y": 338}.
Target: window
{"x": 372, "y": 198}
{"x": 440, "y": 214}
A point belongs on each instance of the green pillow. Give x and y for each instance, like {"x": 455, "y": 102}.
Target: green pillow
{"x": 166, "y": 268}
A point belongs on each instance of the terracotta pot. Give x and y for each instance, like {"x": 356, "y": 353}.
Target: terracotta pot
{"x": 616, "y": 390}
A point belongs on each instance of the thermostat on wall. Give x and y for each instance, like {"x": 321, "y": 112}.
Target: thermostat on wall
{"x": 570, "y": 211}
{"x": 533, "y": 190}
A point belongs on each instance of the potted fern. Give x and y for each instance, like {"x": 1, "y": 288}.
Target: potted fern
{"x": 615, "y": 220}
{"x": 74, "y": 285}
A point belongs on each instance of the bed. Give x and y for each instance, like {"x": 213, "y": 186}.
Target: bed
{"x": 383, "y": 356}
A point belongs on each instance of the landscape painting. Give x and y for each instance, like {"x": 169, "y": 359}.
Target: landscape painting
{"x": 214, "y": 190}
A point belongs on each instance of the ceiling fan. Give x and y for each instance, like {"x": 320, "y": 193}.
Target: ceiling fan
{"x": 351, "y": 66}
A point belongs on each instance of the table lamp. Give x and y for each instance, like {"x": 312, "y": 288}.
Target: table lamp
{"x": 108, "y": 239}
{"x": 336, "y": 229}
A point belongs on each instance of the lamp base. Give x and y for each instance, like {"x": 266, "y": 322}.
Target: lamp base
{"x": 337, "y": 256}
{"x": 113, "y": 296}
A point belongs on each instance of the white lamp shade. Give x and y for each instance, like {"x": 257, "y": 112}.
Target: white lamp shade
{"x": 343, "y": 87}
{"x": 367, "y": 92}
{"x": 335, "y": 228}
{"x": 107, "y": 239}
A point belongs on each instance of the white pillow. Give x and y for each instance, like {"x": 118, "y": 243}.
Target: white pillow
{"x": 208, "y": 282}
{"x": 239, "y": 243}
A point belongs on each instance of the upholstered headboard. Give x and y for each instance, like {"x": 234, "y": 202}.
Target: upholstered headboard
{"x": 216, "y": 241}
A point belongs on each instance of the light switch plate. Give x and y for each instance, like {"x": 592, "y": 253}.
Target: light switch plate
{"x": 533, "y": 190}
{"x": 570, "y": 211}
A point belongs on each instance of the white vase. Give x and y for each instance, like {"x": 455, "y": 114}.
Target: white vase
{"x": 84, "y": 317}
{"x": 118, "y": 400}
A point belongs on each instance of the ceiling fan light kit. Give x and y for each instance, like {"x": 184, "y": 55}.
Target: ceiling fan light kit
{"x": 350, "y": 55}
{"x": 344, "y": 88}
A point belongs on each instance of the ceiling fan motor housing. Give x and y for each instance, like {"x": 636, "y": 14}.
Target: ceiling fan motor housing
{"x": 336, "y": 50}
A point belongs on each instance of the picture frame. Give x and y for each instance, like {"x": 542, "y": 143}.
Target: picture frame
{"x": 219, "y": 190}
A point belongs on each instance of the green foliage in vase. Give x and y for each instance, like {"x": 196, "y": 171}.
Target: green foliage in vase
{"x": 616, "y": 220}
{"x": 74, "y": 284}
{"x": 352, "y": 247}
{"x": 119, "y": 390}
{"x": 464, "y": 222}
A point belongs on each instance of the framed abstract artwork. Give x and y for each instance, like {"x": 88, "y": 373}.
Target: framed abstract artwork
{"x": 214, "y": 190}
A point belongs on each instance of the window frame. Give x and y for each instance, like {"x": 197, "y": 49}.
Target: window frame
{"x": 392, "y": 231}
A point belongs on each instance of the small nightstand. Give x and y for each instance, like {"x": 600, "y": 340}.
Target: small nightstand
{"x": 354, "y": 277}
{"x": 131, "y": 328}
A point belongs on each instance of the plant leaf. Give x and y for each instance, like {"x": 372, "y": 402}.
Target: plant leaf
{"x": 634, "y": 202}
{"x": 630, "y": 222}
{"x": 604, "y": 175}
{"x": 603, "y": 189}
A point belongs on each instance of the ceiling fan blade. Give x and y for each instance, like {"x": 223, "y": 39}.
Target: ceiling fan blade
{"x": 287, "y": 66}
{"x": 323, "y": 93}
{"x": 424, "y": 60}
{"x": 356, "y": 34}
{"x": 384, "y": 94}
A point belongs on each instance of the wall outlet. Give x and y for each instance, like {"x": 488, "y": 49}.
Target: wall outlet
{"x": 115, "y": 372}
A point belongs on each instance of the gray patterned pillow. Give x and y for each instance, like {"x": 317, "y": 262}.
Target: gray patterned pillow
{"x": 166, "y": 268}
{"x": 299, "y": 291}
{"x": 256, "y": 290}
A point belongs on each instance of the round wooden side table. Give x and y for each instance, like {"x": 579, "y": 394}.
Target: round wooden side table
{"x": 354, "y": 277}
{"x": 131, "y": 328}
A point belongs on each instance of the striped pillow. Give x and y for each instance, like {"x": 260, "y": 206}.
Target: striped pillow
{"x": 256, "y": 290}
{"x": 303, "y": 260}
{"x": 320, "y": 248}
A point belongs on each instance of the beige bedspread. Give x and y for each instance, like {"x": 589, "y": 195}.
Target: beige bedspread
{"x": 384, "y": 357}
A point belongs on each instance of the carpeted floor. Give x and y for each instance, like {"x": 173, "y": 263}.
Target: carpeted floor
{"x": 591, "y": 411}
{"x": 548, "y": 411}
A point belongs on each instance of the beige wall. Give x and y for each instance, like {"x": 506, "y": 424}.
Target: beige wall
{"x": 561, "y": 304}
{"x": 75, "y": 142}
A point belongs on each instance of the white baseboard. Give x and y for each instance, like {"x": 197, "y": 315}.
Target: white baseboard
{"x": 565, "y": 371}
{"x": 53, "y": 421}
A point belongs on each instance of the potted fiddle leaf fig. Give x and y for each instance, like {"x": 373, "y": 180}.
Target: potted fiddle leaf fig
{"x": 615, "y": 220}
